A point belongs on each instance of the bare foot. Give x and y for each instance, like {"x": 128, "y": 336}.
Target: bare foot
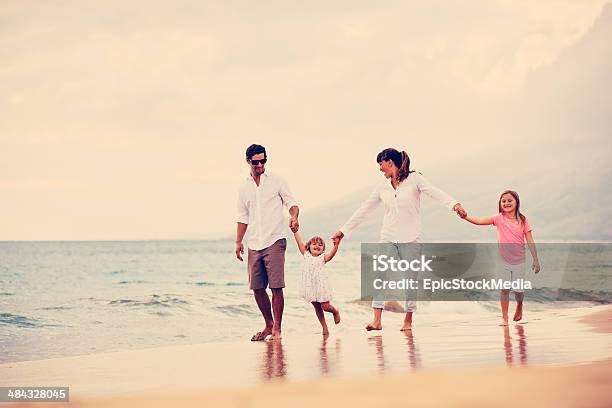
{"x": 518, "y": 315}
{"x": 407, "y": 322}
{"x": 276, "y": 335}
{"x": 505, "y": 322}
{"x": 337, "y": 316}
{"x": 406, "y": 326}
{"x": 261, "y": 336}
{"x": 374, "y": 326}
{"x": 325, "y": 332}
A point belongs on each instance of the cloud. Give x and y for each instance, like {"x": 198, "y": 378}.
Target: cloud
{"x": 141, "y": 97}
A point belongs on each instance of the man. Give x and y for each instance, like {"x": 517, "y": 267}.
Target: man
{"x": 260, "y": 209}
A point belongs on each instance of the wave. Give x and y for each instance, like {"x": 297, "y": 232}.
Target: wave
{"x": 153, "y": 302}
{"x": 240, "y": 309}
{"x": 9, "y": 319}
{"x": 57, "y": 308}
{"x": 539, "y": 295}
{"x": 544, "y": 295}
{"x": 129, "y": 282}
{"x": 7, "y": 294}
{"x": 204, "y": 283}
{"x": 118, "y": 272}
{"x": 201, "y": 283}
{"x": 197, "y": 283}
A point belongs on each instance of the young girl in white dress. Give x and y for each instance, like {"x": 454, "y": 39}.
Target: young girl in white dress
{"x": 314, "y": 283}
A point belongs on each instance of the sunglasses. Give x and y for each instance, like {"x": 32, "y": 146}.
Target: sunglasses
{"x": 256, "y": 162}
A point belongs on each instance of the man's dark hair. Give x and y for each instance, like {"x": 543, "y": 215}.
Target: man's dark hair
{"x": 254, "y": 149}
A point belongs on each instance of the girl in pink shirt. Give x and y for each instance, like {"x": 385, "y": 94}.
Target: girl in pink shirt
{"x": 512, "y": 230}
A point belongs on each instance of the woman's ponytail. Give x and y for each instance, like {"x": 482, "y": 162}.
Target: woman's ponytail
{"x": 404, "y": 169}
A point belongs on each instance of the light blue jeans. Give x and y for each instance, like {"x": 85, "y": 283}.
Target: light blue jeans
{"x": 407, "y": 250}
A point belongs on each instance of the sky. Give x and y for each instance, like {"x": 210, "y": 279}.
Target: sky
{"x": 129, "y": 120}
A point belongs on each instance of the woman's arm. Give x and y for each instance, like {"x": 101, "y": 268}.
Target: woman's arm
{"x": 298, "y": 241}
{"x": 330, "y": 255}
{"x": 534, "y": 252}
{"x": 366, "y": 208}
{"x": 434, "y": 192}
{"x": 479, "y": 221}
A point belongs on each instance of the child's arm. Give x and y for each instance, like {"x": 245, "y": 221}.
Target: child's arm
{"x": 479, "y": 221}
{"x": 330, "y": 255}
{"x": 298, "y": 241}
{"x": 534, "y": 253}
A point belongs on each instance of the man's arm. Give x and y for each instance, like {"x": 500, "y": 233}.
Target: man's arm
{"x": 289, "y": 202}
{"x": 240, "y": 231}
{"x": 243, "y": 222}
{"x": 293, "y": 223}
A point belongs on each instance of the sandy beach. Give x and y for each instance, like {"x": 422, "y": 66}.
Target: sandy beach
{"x": 542, "y": 362}
{"x": 182, "y": 177}
{"x": 577, "y": 386}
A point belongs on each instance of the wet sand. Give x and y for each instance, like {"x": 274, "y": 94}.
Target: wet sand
{"x": 575, "y": 386}
{"x": 465, "y": 363}
{"x": 600, "y": 321}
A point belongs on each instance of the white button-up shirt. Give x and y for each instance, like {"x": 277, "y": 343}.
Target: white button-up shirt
{"x": 402, "y": 220}
{"x": 261, "y": 207}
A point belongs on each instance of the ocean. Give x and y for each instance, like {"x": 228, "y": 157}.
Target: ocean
{"x": 74, "y": 298}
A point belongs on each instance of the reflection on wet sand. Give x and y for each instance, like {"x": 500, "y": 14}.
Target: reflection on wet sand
{"x": 401, "y": 353}
{"x": 324, "y": 357}
{"x": 414, "y": 359}
{"x": 520, "y": 330}
{"x": 507, "y": 346}
{"x": 522, "y": 345}
{"x": 377, "y": 343}
{"x": 274, "y": 365}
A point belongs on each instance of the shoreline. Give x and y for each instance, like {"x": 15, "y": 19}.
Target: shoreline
{"x": 394, "y": 313}
{"x": 357, "y": 370}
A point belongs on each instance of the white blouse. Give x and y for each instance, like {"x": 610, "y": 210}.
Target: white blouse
{"x": 402, "y": 219}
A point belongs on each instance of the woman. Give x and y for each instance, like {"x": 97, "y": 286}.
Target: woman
{"x": 401, "y": 197}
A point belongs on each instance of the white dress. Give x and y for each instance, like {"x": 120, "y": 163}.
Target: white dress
{"x": 314, "y": 282}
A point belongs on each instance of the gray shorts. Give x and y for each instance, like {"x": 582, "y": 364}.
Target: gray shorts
{"x": 410, "y": 250}
{"x": 267, "y": 266}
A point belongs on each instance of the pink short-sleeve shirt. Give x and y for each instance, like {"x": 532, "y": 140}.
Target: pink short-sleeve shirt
{"x": 511, "y": 239}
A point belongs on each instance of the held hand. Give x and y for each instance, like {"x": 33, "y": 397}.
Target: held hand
{"x": 294, "y": 225}
{"x": 536, "y": 266}
{"x": 337, "y": 238}
{"x": 239, "y": 250}
{"x": 458, "y": 208}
